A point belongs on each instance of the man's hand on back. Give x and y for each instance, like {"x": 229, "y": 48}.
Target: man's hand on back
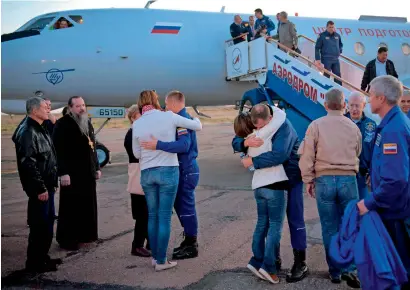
{"x": 253, "y": 142}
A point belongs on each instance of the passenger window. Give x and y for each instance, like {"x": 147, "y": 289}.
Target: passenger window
{"x": 77, "y": 18}
{"x": 405, "y": 47}
{"x": 359, "y": 48}
{"x": 61, "y": 24}
{"x": 382, "y": 44}
{"x": 40, "y": 24}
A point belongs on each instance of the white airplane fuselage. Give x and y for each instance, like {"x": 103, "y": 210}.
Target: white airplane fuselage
{"x": 113, "y": 55}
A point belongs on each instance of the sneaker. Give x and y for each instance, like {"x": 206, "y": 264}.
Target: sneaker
{"x": 254, "y": 271}
{"x": 153, "y": 262}
{"x": 273, "y": 278}
{"x": 166, "y": 266}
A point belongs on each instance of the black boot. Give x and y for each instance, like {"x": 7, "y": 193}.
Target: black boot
{"x": 182, "y": 245}
{"x": 278, "y": 264}
{"x": 187, "y": 250}
{"x": 299, "y": 269}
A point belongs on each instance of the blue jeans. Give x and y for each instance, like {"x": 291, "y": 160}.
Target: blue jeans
{"x": 333, "y": 193}
{"x": 160, "y": 186}
{"x": 362, "y": 186}
{"x": 271, "y": 205}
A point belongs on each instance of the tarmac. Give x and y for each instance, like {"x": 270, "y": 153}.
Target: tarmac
{"x": 227, "y": 217}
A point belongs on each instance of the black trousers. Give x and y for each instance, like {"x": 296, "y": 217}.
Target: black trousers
{"x": 140, "y": 215}
{"x": 41, "y": 222}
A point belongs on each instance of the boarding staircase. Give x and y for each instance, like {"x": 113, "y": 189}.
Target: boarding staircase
{"x": 288, "y": 79}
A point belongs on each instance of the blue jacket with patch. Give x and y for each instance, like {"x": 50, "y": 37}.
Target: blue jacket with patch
{"x": 328, "y": 46}
{"x": 368, "y": 128}
{"x": 365, "y": 241}
{"x": 270, "y": 26}
{"x": 390, "y": 168}
{"x": 185, "y": 145}
{"x": 285, "y": 145}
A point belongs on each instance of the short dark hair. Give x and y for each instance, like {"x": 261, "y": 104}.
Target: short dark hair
{"x": 258, "y": 10}
{"x": 334, "y": 99}
{"x": 260, "y": 111}
{"x": 176, "y": 95}
{"x": 382, "y": 49}
{"x": 70, "y": 100}
{"x": 46, "y": 99}
{"x": 330, "y": 22}
{"x": 65, "y": 111}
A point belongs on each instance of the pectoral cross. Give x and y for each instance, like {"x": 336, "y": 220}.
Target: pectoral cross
{"x": 90, "y": 143}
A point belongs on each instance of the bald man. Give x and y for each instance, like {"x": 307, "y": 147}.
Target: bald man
{"x": 367, "y": 126}
{"x": 329, "y": 165}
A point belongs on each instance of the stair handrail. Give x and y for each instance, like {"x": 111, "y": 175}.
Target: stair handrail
{"x": 239, "y": 36}
{"x": 287, "y": 49}
{"x": 343, "y": 56}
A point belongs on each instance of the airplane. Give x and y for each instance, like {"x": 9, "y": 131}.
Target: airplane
{"x": 109, "y": 55}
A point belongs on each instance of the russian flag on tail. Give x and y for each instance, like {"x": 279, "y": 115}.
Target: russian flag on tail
{"x": 166, "y": 28}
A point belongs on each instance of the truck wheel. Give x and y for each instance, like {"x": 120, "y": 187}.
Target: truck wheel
{"x": 103, "y": 154}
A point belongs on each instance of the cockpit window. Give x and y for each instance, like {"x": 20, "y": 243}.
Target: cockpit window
{"x": 40, "y": 24}
{"x": 77, "y": 18}
{"x": 61, "y": 24}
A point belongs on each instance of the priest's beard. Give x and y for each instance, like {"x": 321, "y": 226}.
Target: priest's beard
{"x": 82, "y": 121}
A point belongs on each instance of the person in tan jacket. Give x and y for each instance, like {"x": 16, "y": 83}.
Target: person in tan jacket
{"x": 329, "y": 162}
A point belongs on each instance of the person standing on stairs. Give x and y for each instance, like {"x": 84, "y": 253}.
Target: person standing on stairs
{"x": 328, "y": 48}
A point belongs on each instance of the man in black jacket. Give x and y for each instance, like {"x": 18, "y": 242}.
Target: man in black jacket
{"x": 237, "y": 28}
{"x": 37, "y": 167}
{"x": 378, "y": 67}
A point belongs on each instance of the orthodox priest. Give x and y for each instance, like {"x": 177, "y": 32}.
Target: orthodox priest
{"x": 78, "y": 169}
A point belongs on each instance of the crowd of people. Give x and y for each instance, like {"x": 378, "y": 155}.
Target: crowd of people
{"x": 328, "y": 46}
{"x": 341, "y": 156}
{"x": 163, "y": 174}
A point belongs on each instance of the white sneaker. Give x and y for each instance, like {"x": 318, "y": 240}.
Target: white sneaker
{"x": 153, "y": 262}
{"x": 273, "y": 278}
{"x": 254, "y": 271}
{"x": 167, "y": 265}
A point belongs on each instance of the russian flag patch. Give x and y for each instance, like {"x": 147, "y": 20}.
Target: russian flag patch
{"x": 390, "y": 148}
{"x": 166, "y": 28}
{"x": 182, "y": 131}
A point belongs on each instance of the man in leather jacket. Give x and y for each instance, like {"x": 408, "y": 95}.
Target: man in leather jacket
{"x": 37, "y": 167}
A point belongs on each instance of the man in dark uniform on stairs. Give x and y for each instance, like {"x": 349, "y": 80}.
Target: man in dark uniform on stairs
{"x": 187, "y": 149}
{"x": 328, "y": 48}
{"x": 237, "y": 28}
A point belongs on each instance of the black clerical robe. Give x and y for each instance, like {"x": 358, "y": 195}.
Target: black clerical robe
{"x": 77, "y": 157}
